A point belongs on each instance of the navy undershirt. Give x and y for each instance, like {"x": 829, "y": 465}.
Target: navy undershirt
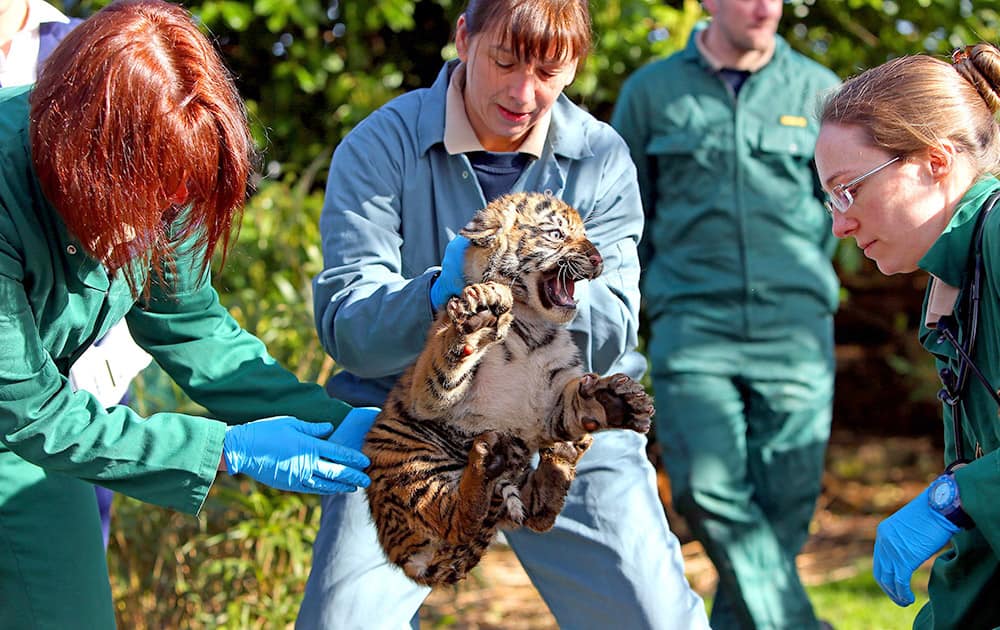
{"x": 735, "y": 78}
{"x": 497, "y": 172}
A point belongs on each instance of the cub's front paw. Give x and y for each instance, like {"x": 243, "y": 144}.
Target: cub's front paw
{"x": 482, "y": 306}
{"x": 626, "y": 403}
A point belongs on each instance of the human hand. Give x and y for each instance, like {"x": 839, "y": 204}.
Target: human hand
{"x": 290, "y": 454}
{"x": 354, "y": 427}
{"x": 451, "y": 280}
{"x": 906, "y": 540}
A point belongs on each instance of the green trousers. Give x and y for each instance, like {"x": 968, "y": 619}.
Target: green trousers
{"x": 744, "y": 428}
{"x": 53, "y": 569}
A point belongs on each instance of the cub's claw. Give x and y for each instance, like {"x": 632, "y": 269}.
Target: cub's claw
{"x": 626, "y": 403}
{"x": 480, "y": 306}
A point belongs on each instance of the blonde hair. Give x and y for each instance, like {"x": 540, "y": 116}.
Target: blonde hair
{"x": 911, "y": 103}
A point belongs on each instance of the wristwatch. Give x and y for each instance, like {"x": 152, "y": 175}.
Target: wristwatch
{"x": 944, "y": 500}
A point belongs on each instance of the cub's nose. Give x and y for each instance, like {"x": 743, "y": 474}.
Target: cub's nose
{"x": 595, "y": 260}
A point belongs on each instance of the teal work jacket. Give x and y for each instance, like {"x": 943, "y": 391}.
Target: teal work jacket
{"x": 737, "y": 241}
{"x": 56, "y": 301}
{"x": 394, "y": 200}
{"x": 974, "y": 560}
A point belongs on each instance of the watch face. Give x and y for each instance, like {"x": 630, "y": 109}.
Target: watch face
{"x": 941, "y": 494}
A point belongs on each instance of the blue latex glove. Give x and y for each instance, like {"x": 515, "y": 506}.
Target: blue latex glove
{"x": 352, "y": 431}
{"x": 289, "y": 454}
{"x": 451, "y": 280}
{"x": 906, "y": 540}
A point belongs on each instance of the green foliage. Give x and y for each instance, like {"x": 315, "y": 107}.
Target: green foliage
{"x": 857, "y": 34}
{"x": 267, "y": 278}
{"x": 242, "y": 563}
{"x": 628, "y": 33}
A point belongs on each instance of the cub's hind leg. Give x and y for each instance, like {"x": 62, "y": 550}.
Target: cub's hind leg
{"x": 465, "y": 329}
{"x": 430, "y": 513}
{"x": 544, "y": 492}
{"x": 456, "y": 513}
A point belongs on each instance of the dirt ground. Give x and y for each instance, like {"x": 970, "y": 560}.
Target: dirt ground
{"x": 866, "y": 479}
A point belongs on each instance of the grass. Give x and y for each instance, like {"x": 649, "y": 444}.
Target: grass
{"x": 858, "y": 603}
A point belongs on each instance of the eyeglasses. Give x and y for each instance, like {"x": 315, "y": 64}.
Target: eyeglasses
{"x": 842, "y": 196}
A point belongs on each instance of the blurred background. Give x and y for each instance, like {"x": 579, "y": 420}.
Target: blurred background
{"x": 310, "y": 70}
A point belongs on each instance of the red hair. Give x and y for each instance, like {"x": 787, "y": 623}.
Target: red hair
{"x": 131, "y": 111}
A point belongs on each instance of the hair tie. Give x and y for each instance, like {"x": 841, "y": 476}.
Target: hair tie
{"x": 960, "y": 54}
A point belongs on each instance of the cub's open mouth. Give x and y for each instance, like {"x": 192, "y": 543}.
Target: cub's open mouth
{"x": 556, "y": 291}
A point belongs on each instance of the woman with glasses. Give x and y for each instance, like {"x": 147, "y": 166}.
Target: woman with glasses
{"x": 907, "y": 152}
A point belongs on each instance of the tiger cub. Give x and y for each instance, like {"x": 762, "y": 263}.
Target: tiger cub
{"x": 498, "y": 380}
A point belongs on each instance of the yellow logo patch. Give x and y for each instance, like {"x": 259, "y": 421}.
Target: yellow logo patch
{"x": 793, "y": 121}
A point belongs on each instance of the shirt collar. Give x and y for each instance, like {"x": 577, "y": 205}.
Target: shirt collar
{"x": 459, "y": 136}
{"x": 948, "y": 257}
{"x": 20, "y": 65}
{"x": 40, "y": 12}
{"x": 566, "y": 134}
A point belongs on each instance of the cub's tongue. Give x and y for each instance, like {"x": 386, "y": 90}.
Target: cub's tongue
{"x": 560, "y": 290}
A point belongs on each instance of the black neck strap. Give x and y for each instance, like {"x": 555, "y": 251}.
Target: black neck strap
{"x": 968, "y": 310}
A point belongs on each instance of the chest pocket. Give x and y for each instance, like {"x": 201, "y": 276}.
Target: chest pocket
{"x": 782, "y": 139}
{"x": 785, "y": 149}
{"x": 687, "y": 162}
{"x": 782, "y": 169}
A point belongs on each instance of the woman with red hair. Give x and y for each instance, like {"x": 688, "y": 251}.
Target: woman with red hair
{"x": 122, "y": 172}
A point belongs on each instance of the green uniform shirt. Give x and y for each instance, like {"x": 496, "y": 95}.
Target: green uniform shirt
{"x": 737, "y": 242}
{"x": 56, "y": 301}
{"x": 979, "y": 482}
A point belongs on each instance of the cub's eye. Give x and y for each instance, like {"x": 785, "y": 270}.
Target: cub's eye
{"x": 556, "y": 235}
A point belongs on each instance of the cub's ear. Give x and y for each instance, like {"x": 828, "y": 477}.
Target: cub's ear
{"x": 488, "y": 224}
{"x": 483, "y": 228}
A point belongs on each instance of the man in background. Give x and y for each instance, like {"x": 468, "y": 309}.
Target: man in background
{"x": 740, "y": 294}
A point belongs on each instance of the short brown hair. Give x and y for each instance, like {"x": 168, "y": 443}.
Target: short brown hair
{"x": 134, "y": 105}
{"x": 535, "y": 29}
{"x": 912, "y": 103}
